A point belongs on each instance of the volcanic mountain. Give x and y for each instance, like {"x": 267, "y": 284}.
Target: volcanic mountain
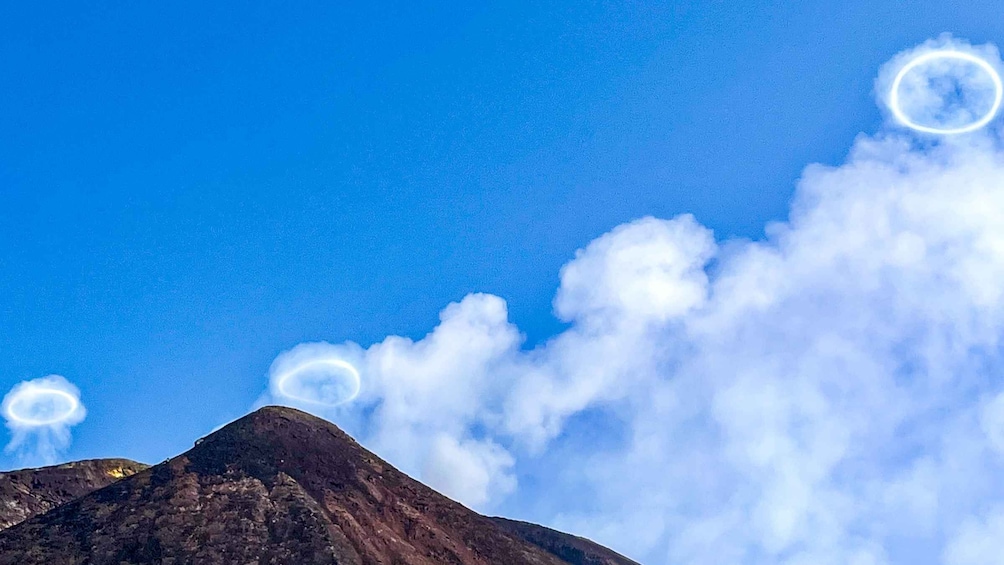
{"x": 276, "y": 487}
{"x": 30, "y": 492}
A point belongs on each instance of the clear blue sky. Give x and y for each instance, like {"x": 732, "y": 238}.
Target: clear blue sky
{"x": 186, "y": 190}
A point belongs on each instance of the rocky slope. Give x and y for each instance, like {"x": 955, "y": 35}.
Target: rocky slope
{"x": 280, "y": 487}
{"x": 30, "y": 492}
{"x": 572, "y": 549}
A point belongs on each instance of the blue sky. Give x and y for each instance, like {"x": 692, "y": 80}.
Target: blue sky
{"x": 188, "y": 191}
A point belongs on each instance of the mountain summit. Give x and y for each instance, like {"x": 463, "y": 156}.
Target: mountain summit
{"x": 280, "y": 486}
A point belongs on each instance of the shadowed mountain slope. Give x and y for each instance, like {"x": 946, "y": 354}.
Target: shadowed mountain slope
{"x": 28, "y": 492}
{"x": 276, "y": 487}
{"x": 572, "y": 549}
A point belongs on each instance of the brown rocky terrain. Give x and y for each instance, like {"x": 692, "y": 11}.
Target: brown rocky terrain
{"x": 574, "y": 550}
{"x": 280, "y": 487}
{"x": 30, "y": 492}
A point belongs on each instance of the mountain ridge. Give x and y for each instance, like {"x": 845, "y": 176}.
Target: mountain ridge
{"x": 276, "y": 486}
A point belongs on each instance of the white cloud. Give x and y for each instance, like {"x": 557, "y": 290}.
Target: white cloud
{"x": 646, "y": 271}
{"x": 940, "y": 91}
{"x": 828, "y": 395}
{"x": 426, "y": 395}
{"x": 39, "y": 415}
{"x": 978, "y": 542}
{"x": 992, "y": 421}
{"x": 471, "y": 471}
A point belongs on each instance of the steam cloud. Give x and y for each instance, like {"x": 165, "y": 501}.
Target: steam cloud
{"x": 943, "y": 87}
{"x": 829, "y": 395}
{"x": 39, "y": 415}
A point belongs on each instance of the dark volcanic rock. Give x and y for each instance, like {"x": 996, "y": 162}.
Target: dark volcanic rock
{"x": 275, "y": 487}
{"x": 29, "y": 492}
{"x": 571, "y": 549}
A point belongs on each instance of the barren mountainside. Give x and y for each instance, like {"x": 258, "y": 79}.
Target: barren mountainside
{"x": 572, "y": 549}
{"x": 278, "y": 487}
{"x": 30, "y": 492}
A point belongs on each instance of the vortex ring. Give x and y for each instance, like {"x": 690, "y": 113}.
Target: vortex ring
{"x": 935, "y": 55}
{"x": 280, "y": 381}
{"x": 33, "y": 394}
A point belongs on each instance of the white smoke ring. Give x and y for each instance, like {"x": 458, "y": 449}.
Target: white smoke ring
{"x": 900, "y": 115}
{"x": 19, "y": 400}
{"x": 282, "y": 380}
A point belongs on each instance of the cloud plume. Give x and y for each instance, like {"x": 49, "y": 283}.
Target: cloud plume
{"x": 39, "y": 414}
{"x": 830, "y": 394}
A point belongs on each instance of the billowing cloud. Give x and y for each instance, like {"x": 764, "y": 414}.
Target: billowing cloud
{"x": 831, "y": 394}
{"x": 471, "y": 471}
{"x": 39, "y": 415}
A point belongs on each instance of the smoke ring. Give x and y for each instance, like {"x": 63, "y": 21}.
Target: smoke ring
{"x": 281, "y": 380}
{"x": 946, "y": 54}
{"x": 26, "y": 397}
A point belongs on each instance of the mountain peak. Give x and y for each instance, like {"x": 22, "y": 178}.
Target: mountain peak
{"x": 276, "y": 486}
{"x": 278, "y": 439}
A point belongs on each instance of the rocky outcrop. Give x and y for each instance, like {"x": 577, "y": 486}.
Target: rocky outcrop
{"x": 30, "y": 492}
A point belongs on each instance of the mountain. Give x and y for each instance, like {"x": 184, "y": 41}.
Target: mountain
{"x": 30, "y": 492}
{"x": 574, "y": 550}
{"x": 281, "y": 487}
